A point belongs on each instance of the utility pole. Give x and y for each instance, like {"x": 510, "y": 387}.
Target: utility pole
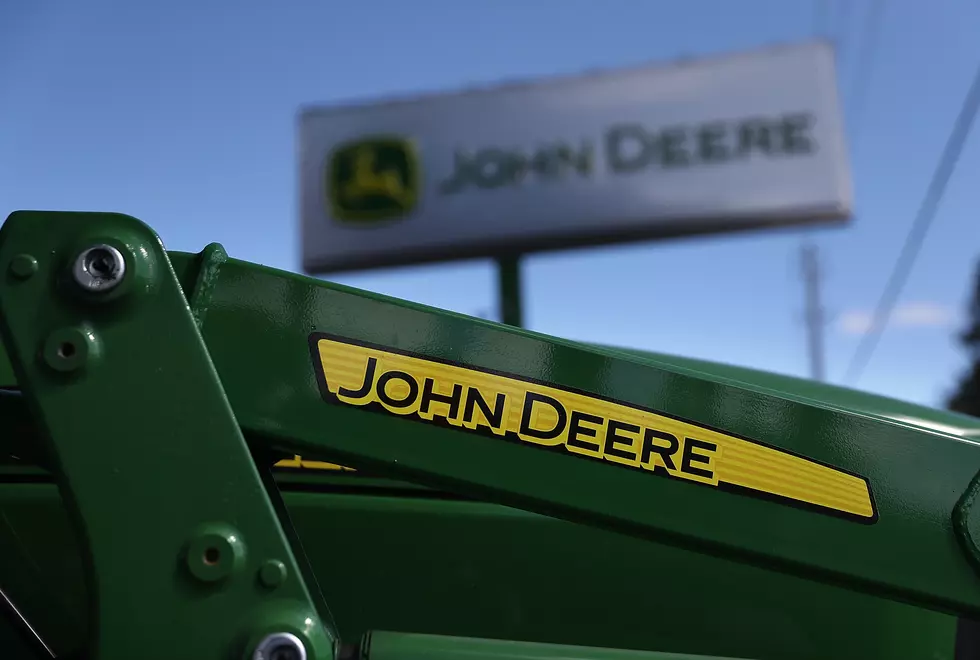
{"x": 814, "y": 314}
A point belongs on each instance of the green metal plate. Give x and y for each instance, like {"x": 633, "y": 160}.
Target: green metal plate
{"x": 442, "y": 566}
{"x": 258, "y": 325}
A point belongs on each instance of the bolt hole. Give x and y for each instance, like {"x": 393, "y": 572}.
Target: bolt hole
{"x": 101, "y": 263}
{"x": 66, "y": 350}
{"x": 284, "y": 652}
{"x": 211, "y": 556}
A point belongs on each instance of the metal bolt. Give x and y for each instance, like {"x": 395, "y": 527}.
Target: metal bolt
{"x": 68, "y": 349}
{"x": 215, "y": 553}
{"x": 22, "y": 266}
{"x": 99, "y": 268}
{"x": 272, "y": 573}
{"x": 280, "y": 646}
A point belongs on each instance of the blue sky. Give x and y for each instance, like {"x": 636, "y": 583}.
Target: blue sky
{"x": 182, "y": 113}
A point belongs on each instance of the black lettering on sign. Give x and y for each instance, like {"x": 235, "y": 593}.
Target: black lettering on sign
{"x": 461, "y": 176}
{"x": 556, "y": 161}
{"x": 651, "y": 447}
{"x": 581, "y": 160}
{"x": 615, "y": 442}
{"x": 628, "y": 148}
{"x": 494, "y": 415}
{"x": 532, "y": 398}
{"x": 795, "y": 134}
{"x": 366, "y": 385}
{"x": 451, "y": 400}
{"x": 755, "y": 135}
{"x": 576, "y": 430}
{"x": 673, "y": 147}
{"x": 494, "y": 168}
{"x": 711, "y": 143}
{"x": 691, "y": 456}
{"x": 387, "y": 399}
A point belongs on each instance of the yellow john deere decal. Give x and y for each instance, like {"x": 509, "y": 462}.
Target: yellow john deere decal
{"x": 580, "y": 424}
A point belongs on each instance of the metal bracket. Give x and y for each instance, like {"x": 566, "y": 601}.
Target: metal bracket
{"x": 133, "y": 417}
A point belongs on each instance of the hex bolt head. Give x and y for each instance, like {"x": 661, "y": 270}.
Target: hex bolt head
{"x": 99, "y": 268}
{"x": 280, "y": 646}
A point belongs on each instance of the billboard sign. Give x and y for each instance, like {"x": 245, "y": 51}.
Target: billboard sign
{"x": 703, "y": 146}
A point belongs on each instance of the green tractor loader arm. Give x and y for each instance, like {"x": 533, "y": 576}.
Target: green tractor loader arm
{"x": 505, "y": 493}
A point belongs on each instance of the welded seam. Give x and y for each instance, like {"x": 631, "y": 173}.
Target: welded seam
{"x": 961, "y": 522}
{"x": 210, "y": 261}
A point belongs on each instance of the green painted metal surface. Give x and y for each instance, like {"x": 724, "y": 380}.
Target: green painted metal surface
{"x": 855, "y": 401}
{"x": 145, "y": 421}
{"x": 257, "y": 317}
{"x": 196, "y": 548}
{"x": 439, "y": 565}
{"x": 402, "y": 646}
{"x": 7, "y": 378}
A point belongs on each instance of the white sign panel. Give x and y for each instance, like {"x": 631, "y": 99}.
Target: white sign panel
{"x": 744, "y": 141}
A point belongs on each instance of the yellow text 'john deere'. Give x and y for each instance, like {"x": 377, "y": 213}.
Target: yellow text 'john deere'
{"x": 580, "y": 424}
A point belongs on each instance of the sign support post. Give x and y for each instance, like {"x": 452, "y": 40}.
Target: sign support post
{"x": 509, "y": 288}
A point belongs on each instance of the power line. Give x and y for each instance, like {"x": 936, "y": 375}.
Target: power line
{"x": 920, "y": 226}
{"x": 829, "y": 22}
{"x": 866, "y": 46}
{"x": 842, "y": 20}
{"x": 821, "y": 16}
{"x": 814, "y": 318}
{"x": 814, "y": 314}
